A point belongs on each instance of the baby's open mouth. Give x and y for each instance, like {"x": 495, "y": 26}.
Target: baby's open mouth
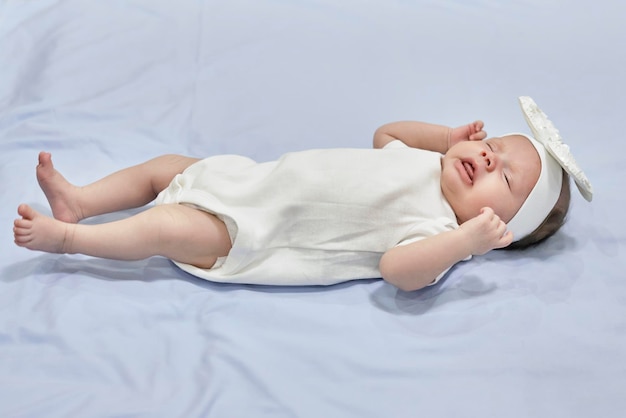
{"x": 470, "y": 169}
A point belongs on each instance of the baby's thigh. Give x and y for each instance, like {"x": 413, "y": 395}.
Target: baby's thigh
{"x": 193, "y": 236}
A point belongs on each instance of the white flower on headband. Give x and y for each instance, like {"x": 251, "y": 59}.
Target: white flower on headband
{"x": 544, "y": 131}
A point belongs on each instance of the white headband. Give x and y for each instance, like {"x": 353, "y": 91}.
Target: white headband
{"x": 554, "y": 155}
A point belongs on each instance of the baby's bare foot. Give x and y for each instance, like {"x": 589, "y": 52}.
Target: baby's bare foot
{"x": 59, "y": 192}
{"x": 39, "y": 232}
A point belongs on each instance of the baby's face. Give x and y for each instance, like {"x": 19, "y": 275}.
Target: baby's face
{"x": 498, "y": 173}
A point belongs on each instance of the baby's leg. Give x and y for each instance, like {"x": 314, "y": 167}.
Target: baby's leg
{"x": 128, "y": 188}
{"x": 174, "y": 231}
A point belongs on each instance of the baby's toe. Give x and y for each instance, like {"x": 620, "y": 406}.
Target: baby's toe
{"x": 26, "y": 211}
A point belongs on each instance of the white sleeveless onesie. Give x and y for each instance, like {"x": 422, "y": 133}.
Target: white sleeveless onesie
{"x": 315, "y": 217}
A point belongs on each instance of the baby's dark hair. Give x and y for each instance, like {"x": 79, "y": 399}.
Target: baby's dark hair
{"x": 552, "y": 223}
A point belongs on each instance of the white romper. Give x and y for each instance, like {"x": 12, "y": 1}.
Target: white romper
{"x": 315, "y": 217}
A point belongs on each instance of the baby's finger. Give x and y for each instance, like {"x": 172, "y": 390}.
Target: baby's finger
{"x": 506, "y": 239}
{"x": 478, "y": 136}
{"x": 476, "y": 126}
{"x": 501, "y": 228}
{"x": 487, "y": 211}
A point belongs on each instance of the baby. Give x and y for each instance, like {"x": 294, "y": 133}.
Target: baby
{"x": 426, "y": 197}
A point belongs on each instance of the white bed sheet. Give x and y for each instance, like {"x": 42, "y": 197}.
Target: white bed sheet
{"x": 102, "y": 85}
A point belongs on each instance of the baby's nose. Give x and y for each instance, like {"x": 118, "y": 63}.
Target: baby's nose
{"x": 490, "y": 160}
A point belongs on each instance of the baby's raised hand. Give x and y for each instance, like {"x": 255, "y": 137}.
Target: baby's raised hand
{"x": 486, "y": 232}
{"x": 470, "y": 132}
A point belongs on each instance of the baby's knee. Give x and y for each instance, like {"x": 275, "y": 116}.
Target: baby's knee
{"x": 166, "y": 167}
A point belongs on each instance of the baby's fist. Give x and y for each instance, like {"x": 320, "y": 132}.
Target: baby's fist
{"x": 470, "y": 132}
{"x": 486, "y": 232}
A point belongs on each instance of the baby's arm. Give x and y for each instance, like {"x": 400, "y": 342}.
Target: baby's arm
{"x": 416, "y": 265}
{"x": 428, "y": 136}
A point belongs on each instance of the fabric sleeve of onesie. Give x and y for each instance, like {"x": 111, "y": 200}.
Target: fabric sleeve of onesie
{"x": 396, "y": 143}
{"x": 435, "y": 227}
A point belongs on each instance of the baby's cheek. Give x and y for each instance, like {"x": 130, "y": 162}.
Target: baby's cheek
{"x": 506, "y": 211}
